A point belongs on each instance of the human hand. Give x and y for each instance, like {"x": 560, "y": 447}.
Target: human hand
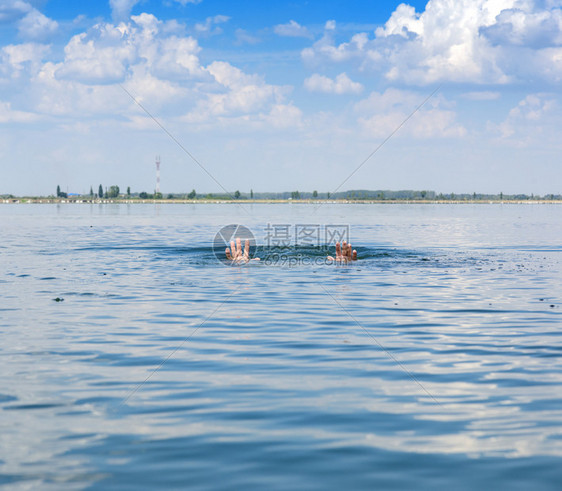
{"x": 344, "y": 254}
{"x": 238, "y": 255}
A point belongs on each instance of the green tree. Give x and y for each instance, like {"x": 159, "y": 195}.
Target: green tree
{"x": 315, "y": 194}
{"x": 192, "y": 194}
{"x": 91, "y": 192}
{"x": 236, "y": 194}
{"x": 157, "y": 195}
{"x": 295, "y": 195}
{"x": 100, "y": 192}
{"x": 58, "y": 191}
{"x": 143, "y": 195}
{"x": 251, "y": 194}
{"x": 328, "y": 195}
{"x": 113, "y": 192}
{"x": 128, "y": 191}
{"x": 501, "y": 195}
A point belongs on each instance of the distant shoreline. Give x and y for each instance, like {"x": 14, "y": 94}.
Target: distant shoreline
{"x": 205, "y": 201}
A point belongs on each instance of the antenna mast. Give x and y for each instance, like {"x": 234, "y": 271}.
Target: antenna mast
{"x": 158, "y": 173}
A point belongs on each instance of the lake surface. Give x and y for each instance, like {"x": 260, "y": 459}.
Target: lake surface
{"x": 433, "y": 362}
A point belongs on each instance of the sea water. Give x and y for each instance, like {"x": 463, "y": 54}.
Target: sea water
{"x": 133, "y": 358}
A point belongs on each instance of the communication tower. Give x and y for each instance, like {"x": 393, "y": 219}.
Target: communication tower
{"x": 158, "y": 174}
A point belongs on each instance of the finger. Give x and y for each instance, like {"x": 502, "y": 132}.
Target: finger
{"x": 338, "y": 249}
{"x": 349, "y": 249}
{"x": 238, "y": 247}
{"x": 354, "y": 257}
{"x": 247, "y": 249}
{"x": 228, "y": 255}
{"x": 330, "y": 258}
{"x": 233, "y": 249}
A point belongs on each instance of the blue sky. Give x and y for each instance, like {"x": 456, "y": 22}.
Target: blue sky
{"x": 293, "y": 95}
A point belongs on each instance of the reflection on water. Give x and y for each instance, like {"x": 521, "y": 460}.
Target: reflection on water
{"x": 435, "y": 359}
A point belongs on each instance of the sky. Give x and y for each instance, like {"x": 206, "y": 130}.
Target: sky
{"x": 281, "y": 95}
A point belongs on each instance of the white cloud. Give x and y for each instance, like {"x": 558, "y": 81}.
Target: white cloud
{"x": 525, "y": 27}
{"x": 106, "y": 53}
{"x": 325, "y": 49}
{"x": 17, "y": 59}
{"x": 403, "y": 21}
{"x": 284, "y": 116}
{"x": 121, "y": 9}
{"x": 8, "y": 115}
{"x": 36, "y": 26}
{"x": 475, "y": 41}
{"x": 99, "y": 56}
{"x": 381, "y": 113}
{"x": 241, "y": 93}
{"x": 528, "y": 120}
{"x": 341, "y": 85}
{"x": 12, "y": 10}
{"x": 243, "y": 37}
{"x": 291, "y": 29}
{"x": 160, "y": 67}
{"x": 31, "y": 24}
{"x": 208, "y": 27}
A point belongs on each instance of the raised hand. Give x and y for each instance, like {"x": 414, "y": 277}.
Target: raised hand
{"x": 238, "y": 255}
{"x": 344, "y": 254}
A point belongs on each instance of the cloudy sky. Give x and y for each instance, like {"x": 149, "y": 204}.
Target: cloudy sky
{"x": 281, "y": 95}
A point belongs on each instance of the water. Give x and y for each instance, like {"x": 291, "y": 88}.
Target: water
{"x": 435, "y": 361}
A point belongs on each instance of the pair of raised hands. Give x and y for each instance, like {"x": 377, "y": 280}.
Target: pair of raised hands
{"x": 344, "y": 252}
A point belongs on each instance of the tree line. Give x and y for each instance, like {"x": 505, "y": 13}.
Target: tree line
{"x": 356, "y": 195}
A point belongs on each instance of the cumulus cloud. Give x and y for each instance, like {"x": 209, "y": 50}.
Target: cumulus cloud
{"x": 107, "y": 52}
{"x": 325, "y": 49}
{"x": 535, "y": 29}
{"x": 121, "y": 9}
{"x": 16, "y": 59}
{"x": 99, "y": 56}
{"x": 525, "y": 120}
{"x": 341, "y": 85}
{"x": 12, "y": 10}
{"x": 381, "y": 113}
{"x": 475, "y": 41}
{"x": 240, "y": 93}
{"x": 37, "y": 26}
{"x": 155, "y": 61}
{"x": 291, "y": 29}
{"x": 31, "y": 24}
